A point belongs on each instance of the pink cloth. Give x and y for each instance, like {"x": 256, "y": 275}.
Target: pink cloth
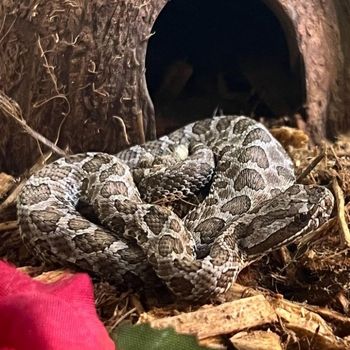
{"x": 54, "y": 316}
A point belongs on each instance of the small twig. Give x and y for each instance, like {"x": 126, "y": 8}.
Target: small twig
{"x": 317, "y": 235}
{"x": 11, "y": 109}
{"x": 11, "y": 199}
{"x": 344, "y": 229}
{"x": 48, "y": 67}
{"x": 284, "y": 255}
{"x": 46, "y": 100}
{"x": 146, "y": 37}
{"x": 120, "y": 319}
{"x": 8, "y": 226}
{"x": 3, "y": 23}
{"x": 8, "y": 30}
{"x": 7, "y": 183}
{"x": 123, "y": 127}
{"x": 140, "y": 127}
{"x": 100, "y": 91}
{"x": 60, "y": 128}
{"x": 314, "y": 338}
{"x": 311, "y": 166}
{"x": 143, "y": 5}
{"x": 50, "y": 70}
{"x": 135, "y": 302}
{"x": 336, "y": 158}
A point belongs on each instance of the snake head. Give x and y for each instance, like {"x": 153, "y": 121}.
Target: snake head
{"x": 287, "y": 217}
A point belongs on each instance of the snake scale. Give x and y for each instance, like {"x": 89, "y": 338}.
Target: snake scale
{"x": 252, "y": 206}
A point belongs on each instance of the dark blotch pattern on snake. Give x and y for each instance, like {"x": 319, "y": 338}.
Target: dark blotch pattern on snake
{"x": 253, "y": 206}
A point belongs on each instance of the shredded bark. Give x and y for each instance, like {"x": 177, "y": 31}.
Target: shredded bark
{"x": 315, "y": 274}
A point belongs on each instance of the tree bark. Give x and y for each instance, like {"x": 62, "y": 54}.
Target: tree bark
{"x": 321, "y": 29}
{"x": 77, "y": 71}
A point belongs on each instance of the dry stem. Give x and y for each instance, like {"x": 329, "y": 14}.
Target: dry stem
{"x": 11, "y": 199}
{"x": 140, "y": 127}
{"x": 8, "y": 226}
{"x": 343, "y": 225}
{"x": 11, "y": 109}
{"x": 312, "y": 165}
{"x": 123, "y": 127}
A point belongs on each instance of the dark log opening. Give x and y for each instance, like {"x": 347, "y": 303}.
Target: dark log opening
{"x": 234, "y": 57}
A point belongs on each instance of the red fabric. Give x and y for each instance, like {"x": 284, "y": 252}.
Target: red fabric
{"x": 54, "y": 316}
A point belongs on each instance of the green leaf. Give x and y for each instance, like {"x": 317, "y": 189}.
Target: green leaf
{"x": 143, "y": 337}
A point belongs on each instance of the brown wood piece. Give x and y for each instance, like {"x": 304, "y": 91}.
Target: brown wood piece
{"x": 6, "y": 184}
{"x": 8, "y": 226}
{"x": 227, "y": 318}
{"x": 306, "y": 323}
{"x": 254, "y": 311}
{"x": 262, "y": 340}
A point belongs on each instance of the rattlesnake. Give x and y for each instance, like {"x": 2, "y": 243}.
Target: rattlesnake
{"x": 253, "y": 206}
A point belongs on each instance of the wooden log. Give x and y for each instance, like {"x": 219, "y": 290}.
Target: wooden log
{"x": 74, "y": 69}
{"x": 77, "y": 71}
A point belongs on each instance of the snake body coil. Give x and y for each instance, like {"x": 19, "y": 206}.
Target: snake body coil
{"x": 253, "y": 207}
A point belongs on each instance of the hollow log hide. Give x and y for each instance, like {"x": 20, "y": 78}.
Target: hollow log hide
{"x": 105, "y": 74}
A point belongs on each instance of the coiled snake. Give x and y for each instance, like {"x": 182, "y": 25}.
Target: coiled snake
{"x": 253, "y": 206}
